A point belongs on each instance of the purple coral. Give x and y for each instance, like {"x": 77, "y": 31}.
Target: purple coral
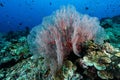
{"x": 61, "y": 33}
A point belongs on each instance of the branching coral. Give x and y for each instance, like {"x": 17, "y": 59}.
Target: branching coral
{"x": 62, "y": 32}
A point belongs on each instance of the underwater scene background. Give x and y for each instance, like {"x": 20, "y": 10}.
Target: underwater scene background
{"x": 59, "y": 39}
{"x": 16, "y": 14}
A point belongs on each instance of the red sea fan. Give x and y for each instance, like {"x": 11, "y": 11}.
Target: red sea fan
{"x": 61, "y": 33}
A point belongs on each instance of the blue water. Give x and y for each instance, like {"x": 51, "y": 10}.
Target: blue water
{"x": 18, "y": 14}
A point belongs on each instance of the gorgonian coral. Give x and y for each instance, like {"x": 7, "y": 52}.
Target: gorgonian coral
{"x": 61, "y": 33}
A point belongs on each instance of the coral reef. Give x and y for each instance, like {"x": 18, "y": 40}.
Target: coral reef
{"x": 98, "y": 63}
{"x": 63, "y": 49}
{"x": 14, "y": 49}
{"x": 67, "y": 72}
{"x": 30, "y": 69}
{"x": 62, "y": 32}
{"x": 104, "y": 60}
{"x": 25, "y": 70}
{"x": 112, "y": 28}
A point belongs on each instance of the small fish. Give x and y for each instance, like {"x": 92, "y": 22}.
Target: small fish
{"x": 31, "y": 8}
{"x": 86, "y": 8}
{"x": 20, "y": 23}
{"x": 33, "y": 1}
{"x": 1, "y": 4}
{"x": 50, "y": 3}
{"x": 7, "y": 15}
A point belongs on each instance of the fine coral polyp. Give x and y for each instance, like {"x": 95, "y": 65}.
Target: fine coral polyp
{"x": 61, "y": 33}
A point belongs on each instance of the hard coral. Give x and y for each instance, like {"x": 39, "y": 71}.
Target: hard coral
{"x": 62, "y": 32}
